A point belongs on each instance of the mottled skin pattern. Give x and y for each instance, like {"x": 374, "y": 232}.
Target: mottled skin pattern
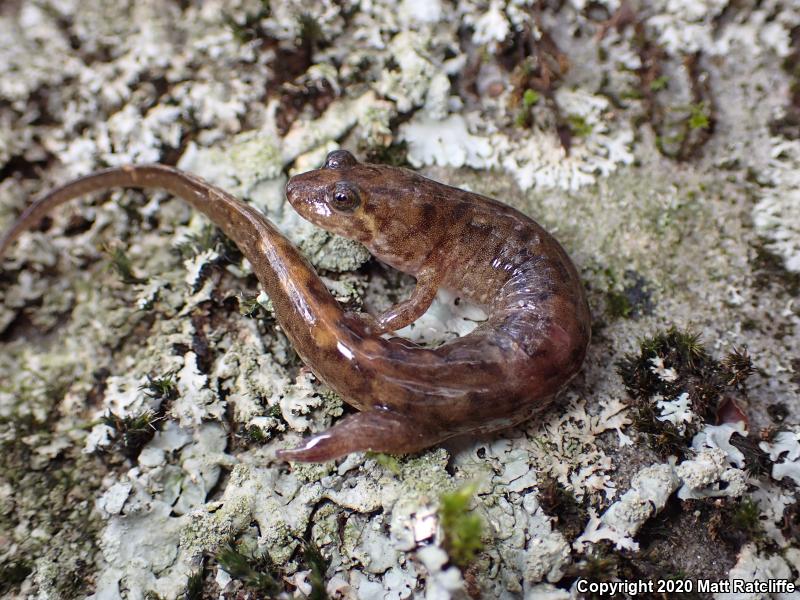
{"x": 508, "y": 369}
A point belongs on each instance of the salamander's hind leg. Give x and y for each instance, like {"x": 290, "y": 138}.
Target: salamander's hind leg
{"x": 376, "y": 430}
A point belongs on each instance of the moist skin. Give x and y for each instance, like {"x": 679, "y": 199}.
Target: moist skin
{"x": 409, "y": 397}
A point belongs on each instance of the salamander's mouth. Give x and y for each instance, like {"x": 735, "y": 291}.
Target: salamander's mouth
{"x": 294, "y": 190}
{"x": 307, "y": 197}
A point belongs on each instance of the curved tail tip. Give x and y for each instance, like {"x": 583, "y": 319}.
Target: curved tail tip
{"x": 377, "y": 430}
{"x": 313, "y": 449}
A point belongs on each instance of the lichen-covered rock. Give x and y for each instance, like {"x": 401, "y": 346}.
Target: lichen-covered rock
{"x": 650, "y": 489}
{"x": 656, "y": 144}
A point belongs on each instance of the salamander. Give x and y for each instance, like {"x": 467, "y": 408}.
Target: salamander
{"x": 409, "y": 397}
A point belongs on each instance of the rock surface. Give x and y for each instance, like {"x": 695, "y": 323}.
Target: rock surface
{"x": 139, "y": 415}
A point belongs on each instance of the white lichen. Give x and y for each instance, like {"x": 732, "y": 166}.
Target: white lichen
{"x": 709, "y": 475}
{"x": 751, "y": 566}
{"x": 776, "y": 216}
{"x": 650, "y": 489}
{"x": 678, "y": 411}
{"x": 786, "y": 447}
{"x": 719, "y": 436}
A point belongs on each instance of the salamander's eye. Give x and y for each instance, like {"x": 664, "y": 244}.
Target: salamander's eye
{"x": 345, "y": 197}
{"x": 340, "y": 159}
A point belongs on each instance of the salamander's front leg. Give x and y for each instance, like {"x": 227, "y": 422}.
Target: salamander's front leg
{"x": 409, "y": 310}
{"x": 377, "y": 430}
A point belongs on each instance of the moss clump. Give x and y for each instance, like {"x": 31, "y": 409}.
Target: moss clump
{"x": 256, "y": 435}
{"x": 693, "y": 371}
{"x": 132, "y": 432}
{"x": 729, "y": 521}
{"x": 210, "y": 237}
{"x": 387, "y": 461}
{"x": 699, "y": 116}
{"x": 659, "y": 83}
{"x": 121, "y": 264}
{"x": 12, "y": 574}
{"x": 530, "y": 98}
{"x": 248, "y": 28}
{"x": 257, "y": 572}
{"x": 462, "y": 528}
{"x": 746, "y": 517}
{"x": 629, "y": 297}
{"x": 561, "y": 503}
{"x": 395, "y": 154}
{"x": 579, "y": 126}
{"x": 602, "y": 563}
{"x": 194, "y": 587}
{"x": 738, "y": 364}
{"x": 161, "y": 388}
{"x": 249, "y": 306}
{"x": 318, "y": 565}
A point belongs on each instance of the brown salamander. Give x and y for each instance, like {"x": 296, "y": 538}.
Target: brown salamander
{"x": 409, "y": 397}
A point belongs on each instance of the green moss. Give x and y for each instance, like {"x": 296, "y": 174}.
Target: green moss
{"x": 699, "y": 116}
{"x": 602, "y": 563}
{"x": 705, "y": 379}
{"x": 210, "y": 237}
{"x": 523, "y": 119}
{"x": 257, "y": 572}
{"x": 387, "y": 461}
{"x": 631, "y": 94}
{"x": 256, "y": 434}
{"x": 194, "y": 586}
{"x": 618, "y": 305}
{"x": 318, "y": 565}
{"x": 132, "y": 432}
{"x": 161, "y": 388}
{"x": 746, "y": 516}
{"x": 12, "y": 574}
{"x": 249, "y": 305}
{"x": 659, "y": 83}
{"x": 395, "y": 154}
{"x": 731, "y": 522}
{"x": 530, "y": 98}
{"x": 462, "y": 528}
{"x": 120, "y": 263}
{"x": 579, "y": 126}
{"x": 311, "y": 32}
{"x": 249, "y": 29}
{"x": 627, "y": 297}
{"x": 662, "y": 436}
{"x": 739, "y": 365}
{"x": 561, "y": 503}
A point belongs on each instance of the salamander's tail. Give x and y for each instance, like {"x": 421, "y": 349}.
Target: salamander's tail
{"x": 193, "y": 190}
{"x": 74, "y": 189}
{"x": 376, "y": 430}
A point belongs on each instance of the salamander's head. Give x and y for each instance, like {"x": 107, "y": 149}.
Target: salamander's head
{"x": 345, "y": 196}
